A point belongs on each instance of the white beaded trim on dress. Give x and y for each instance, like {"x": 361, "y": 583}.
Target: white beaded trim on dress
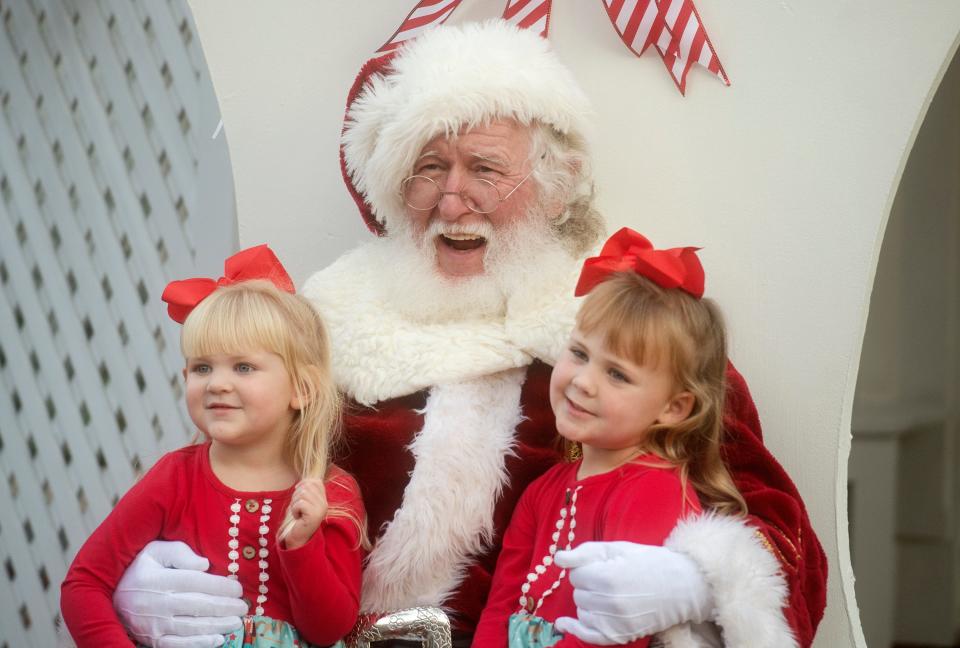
{"x": 233, "y": 543}
{"x": 263, "y": 552}
{"x": 526, "y": 603}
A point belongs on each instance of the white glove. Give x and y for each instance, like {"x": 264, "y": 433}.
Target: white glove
{"x": 624, "y": 591}
{"x": 165, "y": 599}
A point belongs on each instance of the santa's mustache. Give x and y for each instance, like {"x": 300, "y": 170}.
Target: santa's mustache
{"x": 480, "y": 229}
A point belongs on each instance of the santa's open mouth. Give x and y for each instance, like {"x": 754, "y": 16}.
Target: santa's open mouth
{"x": 462, "y": 242}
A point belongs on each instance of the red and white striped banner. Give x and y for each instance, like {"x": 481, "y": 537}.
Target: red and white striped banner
{"x": 673, "y": 27}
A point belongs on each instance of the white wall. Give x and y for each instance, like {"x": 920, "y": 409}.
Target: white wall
{"x": 786, "y": 177}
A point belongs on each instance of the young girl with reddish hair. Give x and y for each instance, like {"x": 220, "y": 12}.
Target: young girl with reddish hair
{"x": 639, "y": 391}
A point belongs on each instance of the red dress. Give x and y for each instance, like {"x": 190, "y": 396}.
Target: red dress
{"x": 639, "y": 502}
{"x": 180, "y": 498}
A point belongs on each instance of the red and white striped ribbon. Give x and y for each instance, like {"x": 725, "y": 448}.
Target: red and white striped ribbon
{"x": 427, "y": 14}
{"x": 529, "y": 14}
{"x": 673, "y": 27}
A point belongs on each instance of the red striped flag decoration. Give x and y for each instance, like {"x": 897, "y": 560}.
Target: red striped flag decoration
{"x": 673, "y": 27}
{"x": 529, "y": 14}
{"x": 427, "y": 14}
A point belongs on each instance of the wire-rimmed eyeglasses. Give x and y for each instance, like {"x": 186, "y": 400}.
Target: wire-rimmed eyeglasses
{"x": 423, "y": 193}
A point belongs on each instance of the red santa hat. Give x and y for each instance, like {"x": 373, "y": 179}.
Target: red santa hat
{"x": 447, "y": 79}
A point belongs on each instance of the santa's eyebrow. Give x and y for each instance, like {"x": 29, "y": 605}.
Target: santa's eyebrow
{"x": 427, "y": 154}
{"x": 490, "y": 158}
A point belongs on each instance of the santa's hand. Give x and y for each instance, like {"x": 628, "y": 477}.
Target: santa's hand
{"x": 166, "y": 600}
{"x": 624, "y": 591}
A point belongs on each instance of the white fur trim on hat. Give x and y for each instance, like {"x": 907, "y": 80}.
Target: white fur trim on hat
{"x": 749, "y": 590}
{"x": 448, "y": 78}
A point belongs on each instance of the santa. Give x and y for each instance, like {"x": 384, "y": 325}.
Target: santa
{"x": 467, "y": 152}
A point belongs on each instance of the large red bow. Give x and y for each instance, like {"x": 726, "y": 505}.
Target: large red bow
{"x": 628, "y": 251}
{"x": 253, "y": 263}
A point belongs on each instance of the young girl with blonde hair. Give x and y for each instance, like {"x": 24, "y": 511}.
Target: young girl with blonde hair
{"x": 258, "y": 496}
{"x": 639, "y": 391}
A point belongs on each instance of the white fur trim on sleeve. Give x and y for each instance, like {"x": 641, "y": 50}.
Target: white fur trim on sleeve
{"x": 748, "y": 587}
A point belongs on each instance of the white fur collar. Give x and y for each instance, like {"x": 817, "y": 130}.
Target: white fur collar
{"x": 452, "y": 493}
{"x": 381, "y": 354}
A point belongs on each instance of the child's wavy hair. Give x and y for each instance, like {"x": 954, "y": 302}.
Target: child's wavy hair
{"x": 648, "y": 324}
{"x": 256, "y": 315}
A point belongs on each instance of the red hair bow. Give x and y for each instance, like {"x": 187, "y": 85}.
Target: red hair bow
{"x": 253, "y": 263}
{"x": 628, "y": 251}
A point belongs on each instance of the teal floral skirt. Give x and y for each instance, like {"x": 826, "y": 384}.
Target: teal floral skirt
{"x": 528, "y": 631}
{"x": 264, "y": 632}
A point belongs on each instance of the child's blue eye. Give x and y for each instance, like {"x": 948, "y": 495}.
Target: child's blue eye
{"x": 244, "y": 367}
{"x": 200, "y": 369}
{"x": 578, "y": 354}
{"x": 618, "y": 376}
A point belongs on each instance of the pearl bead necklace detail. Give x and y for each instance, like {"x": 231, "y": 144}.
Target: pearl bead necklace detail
{"x": 264, "y": 552}
{"x": 526, "y": 602}
{"x": 233, "y": 545}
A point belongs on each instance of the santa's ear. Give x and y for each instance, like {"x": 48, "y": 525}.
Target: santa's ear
{"x": 678, "y": 408}
{"x": 559, "y": 202}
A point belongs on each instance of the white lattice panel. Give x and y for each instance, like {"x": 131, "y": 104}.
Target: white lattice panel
{"x": 105, "y": 120}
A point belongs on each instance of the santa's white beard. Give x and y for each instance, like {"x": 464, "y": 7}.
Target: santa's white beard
{"x": 521, "y": 263}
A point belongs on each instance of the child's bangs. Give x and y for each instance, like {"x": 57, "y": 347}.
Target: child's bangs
{"x": 234, "y": 322}
{"x": 634, "y": 324}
